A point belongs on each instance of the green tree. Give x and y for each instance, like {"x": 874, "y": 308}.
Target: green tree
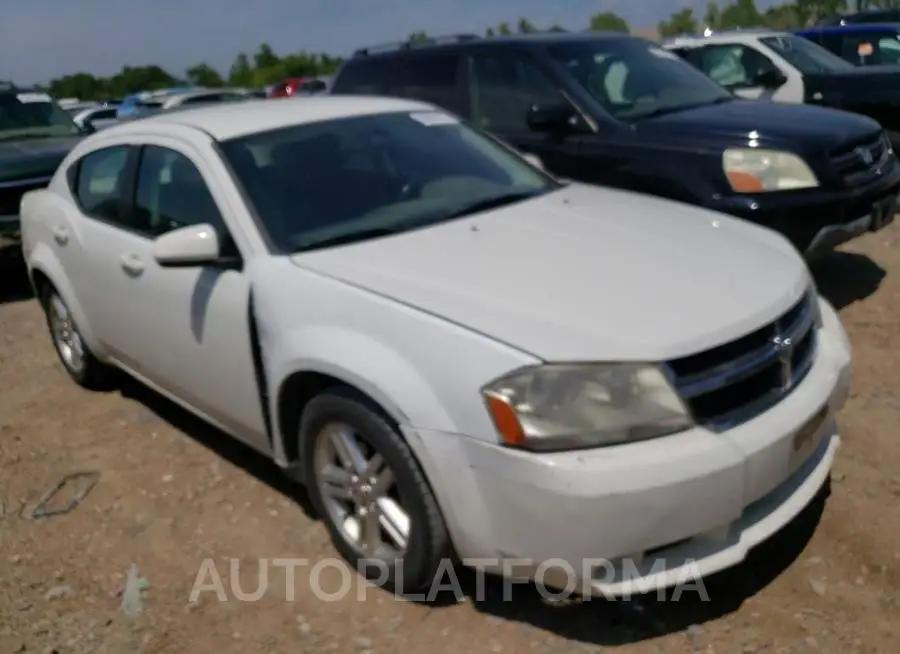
{"x": 525, "y": 26}
{"x": 204, "y": 75}
{"x": 503, "y": 29}
{"x": 681, "y": 22}
{"x": 417, "y": 37}
{"x": 607, "y": 21}
{"x": 743, "y": 13}
{"x": 241, "y": 72}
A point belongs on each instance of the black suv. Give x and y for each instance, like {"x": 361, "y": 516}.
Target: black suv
{"x": 35, "y": 136}
{"x": 620, "y": 111}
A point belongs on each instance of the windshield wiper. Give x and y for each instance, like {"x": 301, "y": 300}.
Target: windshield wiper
{"x": 492, "y": 203}
{"x": 345, "y": 239}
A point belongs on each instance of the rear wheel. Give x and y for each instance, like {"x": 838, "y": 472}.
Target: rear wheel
{"x": 371, "y": 493}
{"x": 76, "y": 357}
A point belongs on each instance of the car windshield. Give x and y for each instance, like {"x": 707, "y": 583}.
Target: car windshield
{"x": 339, "y": 181}
{"x": 806, "y": 56}
{"x": 36, "y": 118}
{"x": 634, "y": 79}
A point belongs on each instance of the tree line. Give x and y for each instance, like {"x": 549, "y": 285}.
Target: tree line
{"x": 266, "y": 67}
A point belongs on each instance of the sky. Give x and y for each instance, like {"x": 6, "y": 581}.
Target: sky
{"x": 43, "y": 39}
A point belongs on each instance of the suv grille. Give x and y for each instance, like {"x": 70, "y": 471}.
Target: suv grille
{"x": 737, "y": 381}
{"x": 860, "y": 162}
{"x": 11, "y": 193}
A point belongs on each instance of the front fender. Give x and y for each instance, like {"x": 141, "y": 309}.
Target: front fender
{"x": 41, "y": 258}
{"x": 361, "y": 361}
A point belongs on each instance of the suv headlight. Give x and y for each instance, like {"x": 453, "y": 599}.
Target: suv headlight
{"x": 751, "y": 170}
{"x": 570, "y": 406}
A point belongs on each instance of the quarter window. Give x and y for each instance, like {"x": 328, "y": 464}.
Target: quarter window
{"x": 99, "y": 183}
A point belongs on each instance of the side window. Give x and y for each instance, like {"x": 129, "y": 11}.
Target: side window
{"x": 99, "y": 183}
{"x": 888, "y": 50}
{"x": 363, "y": 76}
{"x": 734, "y": 66}
{"x": 858, "y": 50}
{"x": 171, "y": 193}
{"x": 432, "y": 78}
{"x": 502, "y": 89}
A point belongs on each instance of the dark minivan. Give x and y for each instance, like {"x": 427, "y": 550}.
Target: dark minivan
{"x": 620, "y": 111}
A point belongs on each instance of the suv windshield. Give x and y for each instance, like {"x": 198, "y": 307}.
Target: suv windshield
{"x": 351, "y": 179}
{"x": 33, "y": 119}
{"x": 634, "y": 79}
{"x": 806, "y": 56}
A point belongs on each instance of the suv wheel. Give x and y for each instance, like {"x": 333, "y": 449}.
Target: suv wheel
{"x": 368, "y": 488}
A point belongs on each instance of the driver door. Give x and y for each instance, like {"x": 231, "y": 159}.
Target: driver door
{"x": 503, "y": 86}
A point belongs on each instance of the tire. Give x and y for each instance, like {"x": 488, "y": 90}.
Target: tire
{"x": 84, "y": 369}
{"x": 400, "y": 570}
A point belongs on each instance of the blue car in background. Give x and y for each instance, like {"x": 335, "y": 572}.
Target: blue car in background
{"x": 875, "y": 44}
{"x": 141, "y": 104}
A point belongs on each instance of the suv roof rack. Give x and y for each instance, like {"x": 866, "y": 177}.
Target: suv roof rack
{"x": 406, "y": 45}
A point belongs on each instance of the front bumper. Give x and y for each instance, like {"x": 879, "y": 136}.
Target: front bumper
{"x": 646, "y": 515}
{"x": 818, "y": 220}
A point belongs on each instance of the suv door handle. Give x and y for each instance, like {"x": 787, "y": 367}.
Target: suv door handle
{"x": 132, "y": 264}
{"x": 60, "y": 234}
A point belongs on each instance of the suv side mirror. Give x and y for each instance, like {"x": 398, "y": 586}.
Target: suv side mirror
{"x": 557, "y": 118}
{"x": 770, "y": 79}
{"x": 187, "y": 247}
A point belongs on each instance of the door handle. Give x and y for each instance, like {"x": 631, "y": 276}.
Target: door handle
{"x": 132, "y": 264}
{"x": 60, "y": 234}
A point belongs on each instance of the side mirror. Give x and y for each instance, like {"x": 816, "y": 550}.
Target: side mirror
{"x": 187, "y": 247}
{"x": 557, "y": 118}
{"x": 88, "y": 127}
{"x": 770, "y": 79}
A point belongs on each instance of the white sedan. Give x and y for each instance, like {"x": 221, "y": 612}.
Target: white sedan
{"x": 455, "y": 352}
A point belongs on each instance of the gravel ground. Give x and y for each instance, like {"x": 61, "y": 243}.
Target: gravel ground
{"x": 171, "y": 492}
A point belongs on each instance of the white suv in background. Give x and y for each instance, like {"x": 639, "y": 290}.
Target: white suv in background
{"x": 453, "y": 350}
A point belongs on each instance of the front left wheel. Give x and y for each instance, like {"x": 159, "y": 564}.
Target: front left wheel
{"x": 371, "y": 493}
{"x": 79, "y": 362}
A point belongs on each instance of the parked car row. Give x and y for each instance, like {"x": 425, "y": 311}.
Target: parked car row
{"x": 620, "y": 111}
{"x": 490, "y": 298}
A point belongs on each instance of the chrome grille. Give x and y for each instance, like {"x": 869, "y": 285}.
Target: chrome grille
{"x": 861, "y": 161}
{"x": 737, "y": 381}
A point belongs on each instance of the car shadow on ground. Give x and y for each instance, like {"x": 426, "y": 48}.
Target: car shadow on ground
{"x": 14, "y": 284}
{"x": 846, "y": 277}
{"x": 221, "y": 444}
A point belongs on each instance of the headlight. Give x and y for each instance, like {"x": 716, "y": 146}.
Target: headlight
{"x": 558, "y": 407}
{"x": 750, "y": 170}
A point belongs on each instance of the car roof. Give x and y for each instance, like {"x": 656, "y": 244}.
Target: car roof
{"x": 848, "y": 28}
{"x": 472, "y": 40}
{"x": 732, "y": 36}
{"x": 233, "y": 120}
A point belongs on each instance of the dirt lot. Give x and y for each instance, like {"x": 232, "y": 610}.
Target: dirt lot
{"x": 172, "y": 492}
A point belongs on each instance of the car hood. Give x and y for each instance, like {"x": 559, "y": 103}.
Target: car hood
{"x": 584, "y": 274}
{"x": 809, "y": 126}
{"x": 33, "y": 157}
